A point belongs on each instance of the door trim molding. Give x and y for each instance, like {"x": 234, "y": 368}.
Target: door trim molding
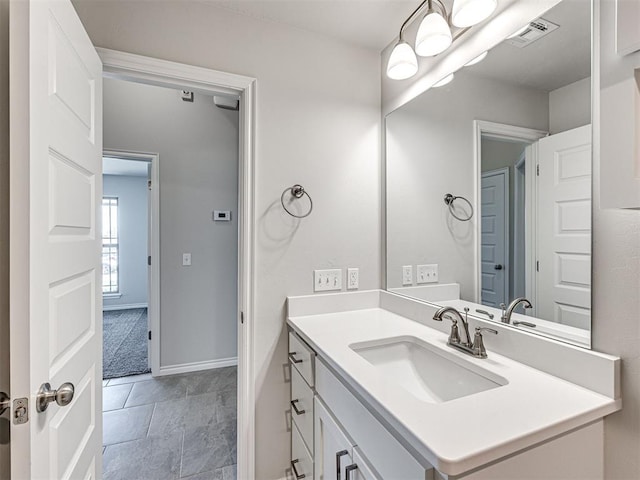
{"x": 153, "y": 71}
{"x": 499, "y": 131}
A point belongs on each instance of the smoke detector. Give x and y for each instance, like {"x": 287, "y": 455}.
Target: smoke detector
{"x": 535, "y": 31}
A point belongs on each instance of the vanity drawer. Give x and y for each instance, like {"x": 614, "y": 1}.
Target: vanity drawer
{"x": 302, "y": 358}
{"x": 301, "y": 459}
{"x": 302, "y": 407}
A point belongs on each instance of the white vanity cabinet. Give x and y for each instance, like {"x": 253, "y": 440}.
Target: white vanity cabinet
{"x": 337, "y": 458}
{"x": 301, "y": 360}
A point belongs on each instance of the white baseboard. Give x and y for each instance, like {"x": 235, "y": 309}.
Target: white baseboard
{"x": 108, "y": 308}
{"x": 197, "y": 366}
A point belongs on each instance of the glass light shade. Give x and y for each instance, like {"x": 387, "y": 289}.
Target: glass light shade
{"x": 444, "y": 81}
{"x": 434, "y": 35}
{"x": 478, "y": 59}
{"x": 402, "y": 63}
{"x": 467, "y": 13}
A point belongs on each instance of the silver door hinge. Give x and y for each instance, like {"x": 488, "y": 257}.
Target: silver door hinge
{"x": 537, "y": 266}
{"x": 149, "y": 260}
{"x": 149, "y": 334}
{"x": 538, "y": 170}
{"x": 20, "y": 411}
{"x": 241, "y": 317}
{"x": 149, "y": 184}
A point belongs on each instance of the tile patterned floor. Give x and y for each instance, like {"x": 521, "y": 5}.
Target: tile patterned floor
{"x": 179, "y": 426}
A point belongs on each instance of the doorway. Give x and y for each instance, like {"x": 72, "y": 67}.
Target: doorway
{"x": 196, "y": 323}
{"x": 128, "y": 211}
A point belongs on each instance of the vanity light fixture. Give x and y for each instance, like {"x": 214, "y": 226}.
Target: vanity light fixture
{"x": 478, "y": 59}
{"x": 444, "y": 81}
{"x": 467, "y": 13}
{"x": 435, "y": 33}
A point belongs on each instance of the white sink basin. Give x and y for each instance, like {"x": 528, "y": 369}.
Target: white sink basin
{"x": 425, "y": 371}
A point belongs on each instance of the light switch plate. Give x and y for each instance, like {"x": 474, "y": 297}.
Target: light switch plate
{"x": 326, "y": 280}
{"x": 428, "y": 273}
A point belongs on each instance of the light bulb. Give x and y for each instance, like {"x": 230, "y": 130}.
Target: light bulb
{"x": 434, "y": 35}
{"x": 467, "y": 13}
{"x": 444, "y": 81}
{"x": 478, "y": 59}
{"x": 402, "y": 63}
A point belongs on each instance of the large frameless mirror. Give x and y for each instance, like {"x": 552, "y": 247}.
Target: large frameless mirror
{"x": 488, "y": 182}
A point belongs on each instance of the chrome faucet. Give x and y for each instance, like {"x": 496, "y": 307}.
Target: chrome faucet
{"x": 508, "y": 311}
{"x": 475, "y": 348}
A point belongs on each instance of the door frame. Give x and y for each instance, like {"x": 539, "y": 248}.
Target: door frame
{"x": 504, "y": 172}
{"x": 153, "y": 71}
{"x": 519, "y": 196}
{"x": 153, "y": 228}
{"x": 498, "y": 131}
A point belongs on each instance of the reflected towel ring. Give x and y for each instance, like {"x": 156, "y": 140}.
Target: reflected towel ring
{"x": 449, "y": 199}
{"x": 296, "y": 191}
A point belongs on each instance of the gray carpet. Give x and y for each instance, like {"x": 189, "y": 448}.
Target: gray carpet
{"x": 125, "y": 343}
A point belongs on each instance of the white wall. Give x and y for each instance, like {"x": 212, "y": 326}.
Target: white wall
{"x": 197, "y": 144}
{"x": 318, "y": 123}
{"x": 4, "y": 231}
{"x": 570, "y": 106}
{"x": 616, "y": 279}
{"x": 132, "y": 193}
{"x": 430, "y": 153}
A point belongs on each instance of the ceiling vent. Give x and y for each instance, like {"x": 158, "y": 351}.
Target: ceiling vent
{"x": 535, "y": 31}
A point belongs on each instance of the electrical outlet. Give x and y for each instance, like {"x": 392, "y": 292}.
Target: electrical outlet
{"x": 428, "y": 273}
{"x": 325, "y": 280}
{"x": 407, "y": 275}
{"x": 352, "y": 278}
{"x": 186, "y": 259}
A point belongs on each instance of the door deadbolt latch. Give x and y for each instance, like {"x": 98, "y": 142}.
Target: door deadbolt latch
{"x": 62, "y": 396}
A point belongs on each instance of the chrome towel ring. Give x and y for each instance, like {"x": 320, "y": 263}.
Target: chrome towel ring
{"x": 297, "y": 191}
{"x": 449, "y": 199}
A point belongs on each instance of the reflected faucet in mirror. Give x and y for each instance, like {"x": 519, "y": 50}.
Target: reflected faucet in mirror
{"x": 508, "y": 311}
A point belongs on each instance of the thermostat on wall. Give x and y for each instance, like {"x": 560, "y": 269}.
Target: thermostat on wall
{"x": 221, "y": 215}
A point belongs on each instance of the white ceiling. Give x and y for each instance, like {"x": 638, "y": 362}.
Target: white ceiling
{"x": 368, "y": 23}
{"x": 119, "y": 166}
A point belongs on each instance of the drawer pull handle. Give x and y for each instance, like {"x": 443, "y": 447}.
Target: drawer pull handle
{"x": 339, "y": 454}
{"x": 295, "y": 470}
{"x": 294, "y": 359}
{"x": 295, "y": 408}
{"x": 350, "y": 469}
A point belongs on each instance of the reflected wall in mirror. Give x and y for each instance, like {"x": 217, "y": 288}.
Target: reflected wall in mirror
{"x": 512, "y": 135}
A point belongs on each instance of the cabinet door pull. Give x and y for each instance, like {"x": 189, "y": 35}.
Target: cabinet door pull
{"x": 295, "y": 470}
{"x": 295, "y": 407}
{"x": 339, "y": 454}
{"x": 350, "y": 469}
{"x": 294, "y": 359}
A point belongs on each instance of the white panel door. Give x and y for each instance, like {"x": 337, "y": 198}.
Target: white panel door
{"x": 56, "y": 301}
{"x": 494, "y": 223}
{"x": 564, "y": 228}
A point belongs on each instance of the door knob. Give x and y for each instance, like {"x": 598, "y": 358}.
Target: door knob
{"x": 497, "y": 267}
{"x": 46, "y": 395}
{"x": 5, "y": 402}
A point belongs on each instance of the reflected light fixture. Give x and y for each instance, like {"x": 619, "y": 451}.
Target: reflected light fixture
{"x": 478, "y": 59}
{"x": 444, "y": 81}
{"x": 435, "y": 33}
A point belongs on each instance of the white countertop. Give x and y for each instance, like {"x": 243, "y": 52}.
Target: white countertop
{"x": 461, "y": 434}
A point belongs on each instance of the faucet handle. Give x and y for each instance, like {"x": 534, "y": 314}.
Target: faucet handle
{"x": 478, "y": 344}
